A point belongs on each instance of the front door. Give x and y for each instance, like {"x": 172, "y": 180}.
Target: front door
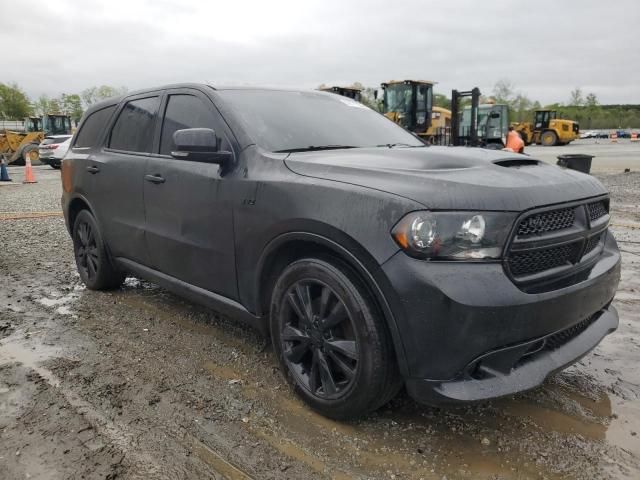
{"x": 189, "y": 224}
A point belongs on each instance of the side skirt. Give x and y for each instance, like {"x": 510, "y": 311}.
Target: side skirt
{"x": 198, "y": 295}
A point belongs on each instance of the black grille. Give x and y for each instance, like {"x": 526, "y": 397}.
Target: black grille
{"x": 597, "y": 210}
{"x": 592, "y": 243}
{"x": 559, "y": 339}
{"x": 547, "y": 222}
{"x": 534, "y": 261}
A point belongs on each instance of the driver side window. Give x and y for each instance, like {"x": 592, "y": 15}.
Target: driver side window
{"x": 186, "y": 111}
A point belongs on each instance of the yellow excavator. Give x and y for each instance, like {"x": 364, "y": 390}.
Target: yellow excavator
{"x": 547, "y": 129}
{"x": 16, "y": 146}
{"x": 409, "y": 103}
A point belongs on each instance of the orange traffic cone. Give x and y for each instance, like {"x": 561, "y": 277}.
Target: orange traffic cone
{"x": 614, "y": 137}
{"x": 634, "y": 136}
{"x": 29, "y": 176}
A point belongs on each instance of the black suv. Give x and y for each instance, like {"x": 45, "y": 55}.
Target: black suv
{"x": 372, "y": 259}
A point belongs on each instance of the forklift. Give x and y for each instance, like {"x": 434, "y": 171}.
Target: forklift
{"x": 478, "y": 125}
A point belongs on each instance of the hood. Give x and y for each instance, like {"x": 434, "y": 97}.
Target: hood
{"x": 451, "y": 178}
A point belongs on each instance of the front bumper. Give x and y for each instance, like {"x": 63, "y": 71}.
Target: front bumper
{"x": 513, "y": 369}
{"x": 468, "y": 333}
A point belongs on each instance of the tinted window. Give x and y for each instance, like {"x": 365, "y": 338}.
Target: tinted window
{"x": 184, "y": 111}
{"x": 133, "y": 130}
{"x": 92, "y": 128}
{"x": 281, "y": 120}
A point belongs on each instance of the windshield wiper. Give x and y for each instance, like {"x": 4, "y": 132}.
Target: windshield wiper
{"x": 392, "y": 145}
{"x": 314, "y": 148}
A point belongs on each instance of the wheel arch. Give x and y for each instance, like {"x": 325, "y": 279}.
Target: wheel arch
{"x": 288, "y": 247}
{"x": 76, "y": 205}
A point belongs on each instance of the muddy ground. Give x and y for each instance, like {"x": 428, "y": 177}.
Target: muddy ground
{"x": 138, "y": 383}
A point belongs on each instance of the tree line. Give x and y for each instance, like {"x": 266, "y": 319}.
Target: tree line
{"x": 582, "y": 107}
{"x": 15, "y": 104}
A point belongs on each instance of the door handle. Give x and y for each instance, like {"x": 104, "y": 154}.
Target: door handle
{"x": 154, "y": 178}
{"x": 93, "y": 169}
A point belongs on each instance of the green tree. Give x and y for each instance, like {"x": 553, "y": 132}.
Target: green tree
{"x": 14, "y": 103}
{"x": 441, "y": 100}
{"x": 576, "y": 99}
{"x": 503, "y": 91}
{"x": 591, "y": 100}
{"x": 96, "y": 94}
{"x": 72, "y": 105}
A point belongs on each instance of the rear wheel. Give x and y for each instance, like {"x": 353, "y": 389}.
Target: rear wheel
{"x": 331, "y": 342}
{"x": 31, "y": 152}
{"x": 549, "y": 138}
{"x": 92, "y": 260}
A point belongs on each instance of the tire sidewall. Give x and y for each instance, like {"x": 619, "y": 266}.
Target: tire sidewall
{"x": 357, "y": 397}
{"x": 86, "y": 217}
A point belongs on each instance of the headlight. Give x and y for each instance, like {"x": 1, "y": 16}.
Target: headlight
{"x": 454, "y": 235}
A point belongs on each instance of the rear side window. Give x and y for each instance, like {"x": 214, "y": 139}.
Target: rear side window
{"x": 133, "y": 130}
{"x": 184, "y": 111}
{"x": 92, "y": 128}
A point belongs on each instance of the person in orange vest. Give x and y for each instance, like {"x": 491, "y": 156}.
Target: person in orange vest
{"x": 514, "y": 142}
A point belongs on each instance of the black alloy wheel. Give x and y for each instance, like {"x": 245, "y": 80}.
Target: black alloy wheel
{"x": 92, "y": 261}
{"x": 331, "y": 340}
{"x": 318, "y": 339}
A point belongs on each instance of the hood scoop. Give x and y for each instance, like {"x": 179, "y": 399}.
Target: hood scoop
{"x": 517, "y": 162}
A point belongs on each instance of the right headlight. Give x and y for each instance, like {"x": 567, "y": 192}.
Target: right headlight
{"x": 454, "y": 235}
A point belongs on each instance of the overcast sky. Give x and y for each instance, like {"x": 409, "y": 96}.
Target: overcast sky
{"x": 546, "y": 48}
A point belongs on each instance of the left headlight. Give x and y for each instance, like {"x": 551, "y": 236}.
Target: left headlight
{"x": 454, "y": 235}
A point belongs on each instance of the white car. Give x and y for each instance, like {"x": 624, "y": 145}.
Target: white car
{"x": 53, "y": 148}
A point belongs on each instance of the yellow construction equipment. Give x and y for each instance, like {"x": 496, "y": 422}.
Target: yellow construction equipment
{"x": 349, "y": 92}
{"x": 15, "y": 146}
{"x": 409, "y": 103}
{"x": 547, "y": 129}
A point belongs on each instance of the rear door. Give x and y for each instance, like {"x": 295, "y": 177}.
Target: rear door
{"x": 188, "y": 215}
{"x": 118, "y": 170}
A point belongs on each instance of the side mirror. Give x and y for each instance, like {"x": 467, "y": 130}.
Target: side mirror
{"x": 198, "y": 145}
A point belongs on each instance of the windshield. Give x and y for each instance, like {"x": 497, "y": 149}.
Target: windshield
{"x": 397, "y": 97}
{"x": 286, "y": 120}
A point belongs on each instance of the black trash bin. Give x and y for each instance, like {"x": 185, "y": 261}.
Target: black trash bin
{"x": 576, "y": 161}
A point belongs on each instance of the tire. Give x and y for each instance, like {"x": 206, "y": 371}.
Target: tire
{"x": 332, "y": 343}
{"x": 27, "y": 151}
{"x": 92, "y": 260}
{"x": 548, "y": 138}
{"x": 55, "y": 167}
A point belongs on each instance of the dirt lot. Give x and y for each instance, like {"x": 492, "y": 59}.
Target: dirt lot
{"x": 138, "y": 383}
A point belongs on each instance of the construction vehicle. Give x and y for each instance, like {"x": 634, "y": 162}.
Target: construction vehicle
{"x": 15, "y": 145}
{"x": 547, "y": 129}
{"x": 349, "y": 92}
{"x": 478, "y": 125}
{"x": 409, "y": 103}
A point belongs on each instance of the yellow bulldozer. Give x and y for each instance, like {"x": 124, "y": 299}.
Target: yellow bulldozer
{"x": 547, "y": 129}
{"x": 16, "y": 146}
{"x": 409, "y": 103}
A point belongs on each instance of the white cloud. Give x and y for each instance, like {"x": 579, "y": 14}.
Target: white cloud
{"x": 66, "y": 46}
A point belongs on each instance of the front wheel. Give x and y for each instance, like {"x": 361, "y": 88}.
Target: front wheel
{"x": 549, "y": 138}
{"x": 331, "y": 342}
{"x": 92, "y": 260}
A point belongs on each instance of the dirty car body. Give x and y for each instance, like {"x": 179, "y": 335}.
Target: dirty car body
{"x": 480, "y": 271}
